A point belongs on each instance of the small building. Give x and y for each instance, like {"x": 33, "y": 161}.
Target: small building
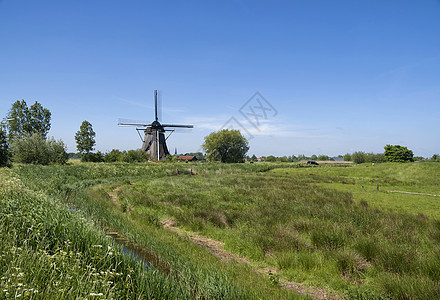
{"x": 187, "y": 158}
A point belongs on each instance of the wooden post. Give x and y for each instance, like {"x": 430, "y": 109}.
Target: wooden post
{"x": 177, "y": 171}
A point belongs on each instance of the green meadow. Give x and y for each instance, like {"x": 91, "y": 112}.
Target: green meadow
{"x": 324, "y": 228}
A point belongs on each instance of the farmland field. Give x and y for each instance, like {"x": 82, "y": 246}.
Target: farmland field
{"x": 220, "y": 231}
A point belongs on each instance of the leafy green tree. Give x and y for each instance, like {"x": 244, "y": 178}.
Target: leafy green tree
{"x": 323, "y": 157}
{"x": 283, "y": 159}
{"x": 22, "y": 120}
{"x": 302, "y": 157}
{"x": 435, "y": 157}
{"x": 39, "y": 119}
{"x": 35, "y": 149}
{"x": 4, "y": 148}
{"x": 314, "y": 157}
{"x": 358, "y": 157}
{"x": 112, "y": 156}
{"x": 347, "y": 157}
{"x": 271, "y": 158}
{"x": 253, "y": 157}
{"x": 85, "y": 139}
{"x": 57, "y": 151}
{"x": 397, "y": 153}
{"x": 227, "y": 146}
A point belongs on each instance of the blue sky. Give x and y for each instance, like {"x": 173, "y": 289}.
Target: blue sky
{"x": 340, "y": 76}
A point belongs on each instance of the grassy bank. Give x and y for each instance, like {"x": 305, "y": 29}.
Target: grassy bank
{"x": 292, "y": 220}
{"x": 323, "y": 226}
{"x": 77, "y": 192}
{"x": 47, "y": 251}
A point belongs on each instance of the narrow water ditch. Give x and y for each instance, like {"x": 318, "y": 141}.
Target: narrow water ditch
{"x": 150, "y": 259}
{"x": 131, "y": 250}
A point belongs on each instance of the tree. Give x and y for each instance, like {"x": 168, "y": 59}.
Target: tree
{"x": 227, "y": 146}
{"x": 358, "y": 157}
{"x": 323, "y": 157}
{"x": 313, "y": 157}
{"x": 39, "y": 119}
{"x": 4, "y": 148}
{"x": 302, "y": 157}
{"x": 57, "y": 151}
{"x": 22, "y": 120}
{"x": 347, "y": 157}
{"x": 85, "y": 139}
{"x": 397, "y": 153}
{"x": 435, "y": 157}
{"x": 254, "y": 157}
{"x": 271, "y": 158}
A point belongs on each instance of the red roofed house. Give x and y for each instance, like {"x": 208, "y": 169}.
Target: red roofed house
{"x": 187, "y": 158}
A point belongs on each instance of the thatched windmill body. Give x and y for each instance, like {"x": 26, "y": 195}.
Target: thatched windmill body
{"x": 154, "y": 141}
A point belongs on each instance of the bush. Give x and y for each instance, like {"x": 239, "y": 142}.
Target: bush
{"x": 92, "y": 157}
{"x": 375, "y": 158}
{"x": 35, "y": 149}
{"x": 358, "y": 157}
{"x": 57, "y": 151}
{"x": 112, "y": 156}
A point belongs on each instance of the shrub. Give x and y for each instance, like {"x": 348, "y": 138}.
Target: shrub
{"x": 35, "y": 149}
{"x": 375, "y": 158}
{"x": 112, "y": 156}
{"x": 92, "y": 157}
{"x": 57, "y": 151}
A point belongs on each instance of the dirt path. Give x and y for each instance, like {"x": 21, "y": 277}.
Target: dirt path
{"x": 114, "y": 195}
{"x": 216, "y": 248}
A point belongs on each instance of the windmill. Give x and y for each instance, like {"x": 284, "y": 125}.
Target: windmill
{"x": 154, "y": 141}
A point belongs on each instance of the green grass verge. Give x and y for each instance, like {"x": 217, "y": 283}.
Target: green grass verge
{"x": 317, "y": 225}
{"x": 190, "y": 269}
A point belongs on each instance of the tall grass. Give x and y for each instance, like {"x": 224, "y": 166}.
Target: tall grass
{"x": 283, "y": 218}
{"x": 46, "y": 251}
{"x": 192, "y": 271}
{"x": 311, "y": 233}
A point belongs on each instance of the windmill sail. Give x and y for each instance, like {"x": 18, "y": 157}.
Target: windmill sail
{"x": 154, "y": 142}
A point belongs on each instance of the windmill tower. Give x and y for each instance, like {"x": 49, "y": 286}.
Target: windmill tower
{"x": 154, "y": 141}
